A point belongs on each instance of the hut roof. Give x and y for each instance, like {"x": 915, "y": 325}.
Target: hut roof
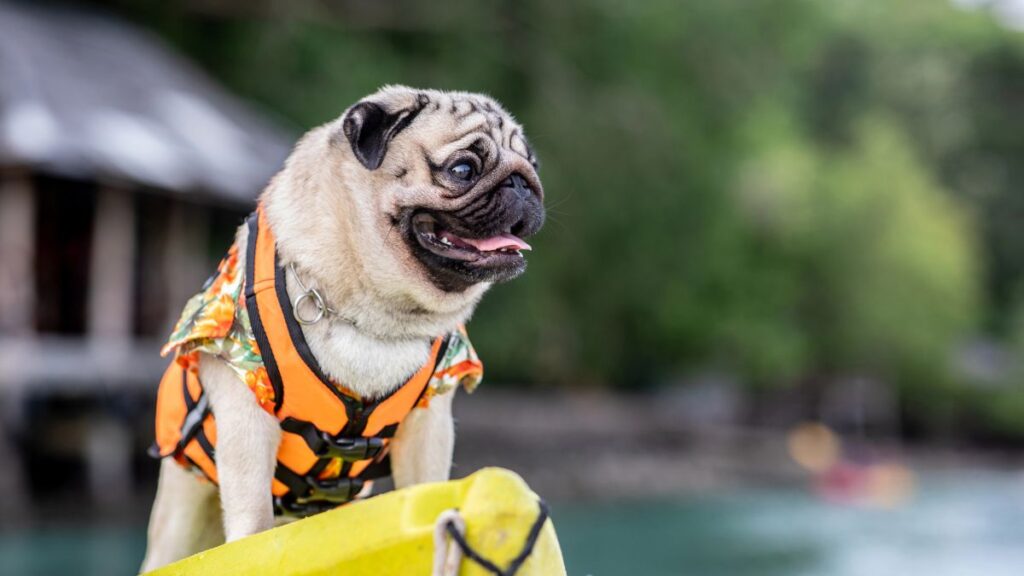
{"x": 88, "y": 96}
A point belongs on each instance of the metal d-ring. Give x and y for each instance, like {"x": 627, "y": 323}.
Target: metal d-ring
{"x": 322, "y": 308}
{"x": 318, "y": 302}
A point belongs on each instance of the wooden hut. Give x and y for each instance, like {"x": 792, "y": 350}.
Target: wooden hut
{"x": 123, "y": 170}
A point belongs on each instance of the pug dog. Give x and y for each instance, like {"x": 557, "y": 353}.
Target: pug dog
{"x": 402, "y": 213}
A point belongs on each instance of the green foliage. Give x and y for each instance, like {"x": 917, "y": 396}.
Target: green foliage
{"x": 876, "y": 263}
{"x": 788, "y": 190}
{"x": 896, "y": 257}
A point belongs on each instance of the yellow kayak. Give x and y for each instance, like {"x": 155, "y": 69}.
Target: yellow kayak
{"x": 485, "y": 524}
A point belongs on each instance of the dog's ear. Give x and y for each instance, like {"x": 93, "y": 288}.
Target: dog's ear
{"x": 369, "y": 128}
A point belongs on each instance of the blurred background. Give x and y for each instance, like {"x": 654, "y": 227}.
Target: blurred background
{"x": 774, "y": 325}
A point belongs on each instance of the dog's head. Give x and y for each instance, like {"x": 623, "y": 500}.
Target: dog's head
{"x": 453, "y": 180}
{"x": 427, "y": 196}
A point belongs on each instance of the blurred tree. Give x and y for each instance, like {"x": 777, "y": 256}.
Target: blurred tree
{"x": 864, "y": 264}
{"x": 894, "y": 273}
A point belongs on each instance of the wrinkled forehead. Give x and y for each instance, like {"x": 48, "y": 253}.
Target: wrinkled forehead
{"x": 452, "y": 122}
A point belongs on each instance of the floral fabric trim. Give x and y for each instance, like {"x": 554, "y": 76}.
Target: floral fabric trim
{"x": 460, "y": 366}
{"x": 216, "y": 322}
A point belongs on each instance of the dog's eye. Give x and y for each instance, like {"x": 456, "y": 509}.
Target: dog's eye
{"x": 462, "y": 171}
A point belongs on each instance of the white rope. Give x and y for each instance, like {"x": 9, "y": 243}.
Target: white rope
{"x": 447, "y": 554}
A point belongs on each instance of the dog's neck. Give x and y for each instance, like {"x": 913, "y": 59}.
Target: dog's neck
{"x": 377, "y": 335}
{"x": 378, "y": 316}
{"x": 366, "y": 343}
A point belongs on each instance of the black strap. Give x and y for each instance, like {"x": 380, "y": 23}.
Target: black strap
{"x": 193, "y": 422}
{"x": 206, "y": 445}
{"x": 441, "y": 351}
{"x": 517, "y": 562}
{"x": 195, "y": 413}
{"x": 296, "y": 483}
{"x": 255, "y": 322}
{"x": 305, "y": 429}
{"x": 387, "y": 431}
{"x": 377, "y": 470}
{"x": 189, "y": 402}
{"x": 319, "y": 467}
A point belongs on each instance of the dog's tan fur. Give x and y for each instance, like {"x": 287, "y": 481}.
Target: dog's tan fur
{"x": 332, "y": 218}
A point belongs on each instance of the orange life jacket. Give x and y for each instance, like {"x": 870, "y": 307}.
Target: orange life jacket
{"x": 331, "y": 442}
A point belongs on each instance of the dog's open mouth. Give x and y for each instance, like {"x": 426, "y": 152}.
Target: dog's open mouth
{"x": 431, "y": 234}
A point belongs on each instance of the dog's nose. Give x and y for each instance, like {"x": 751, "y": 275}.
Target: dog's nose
{"x": 519, "y": 184}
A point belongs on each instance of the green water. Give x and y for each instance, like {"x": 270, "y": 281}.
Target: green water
{"x": 956, "y": 526}
{"x": 966, "y": 525}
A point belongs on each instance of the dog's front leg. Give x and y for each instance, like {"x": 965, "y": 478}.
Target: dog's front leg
{"x": 422, "y": 448}
{"x": 186, "y": 517}
{"x": 247, "y": 442}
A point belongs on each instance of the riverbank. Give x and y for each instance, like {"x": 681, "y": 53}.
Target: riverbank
{"x": 606, "y": 446}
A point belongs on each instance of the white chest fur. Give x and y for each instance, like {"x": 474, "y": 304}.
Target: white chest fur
{"x": 369, "y": 366}
{"x": 366, "y": 365}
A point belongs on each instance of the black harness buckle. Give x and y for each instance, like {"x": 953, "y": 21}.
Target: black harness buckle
{"x": 336, "y": 490}
{"x": 349, "y": 449}
{"x": 324, "y": 445}
{"x": 290, "y": 506}
{"x": 323, "y": 495}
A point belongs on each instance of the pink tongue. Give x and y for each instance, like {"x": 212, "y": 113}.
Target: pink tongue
{"x": 497, "y": 243}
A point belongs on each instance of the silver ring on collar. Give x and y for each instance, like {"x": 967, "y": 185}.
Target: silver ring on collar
{"x": 318, "y": 303}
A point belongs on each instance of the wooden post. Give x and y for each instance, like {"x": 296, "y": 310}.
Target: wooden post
{"x": 16, "y": 504}
{"x": 17, "y": 253}
{"x": 185, "y": 259}
{"x": 108, "y": 452}
{"x": 111, "y": 297}
{"x": 17, "y": 322}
